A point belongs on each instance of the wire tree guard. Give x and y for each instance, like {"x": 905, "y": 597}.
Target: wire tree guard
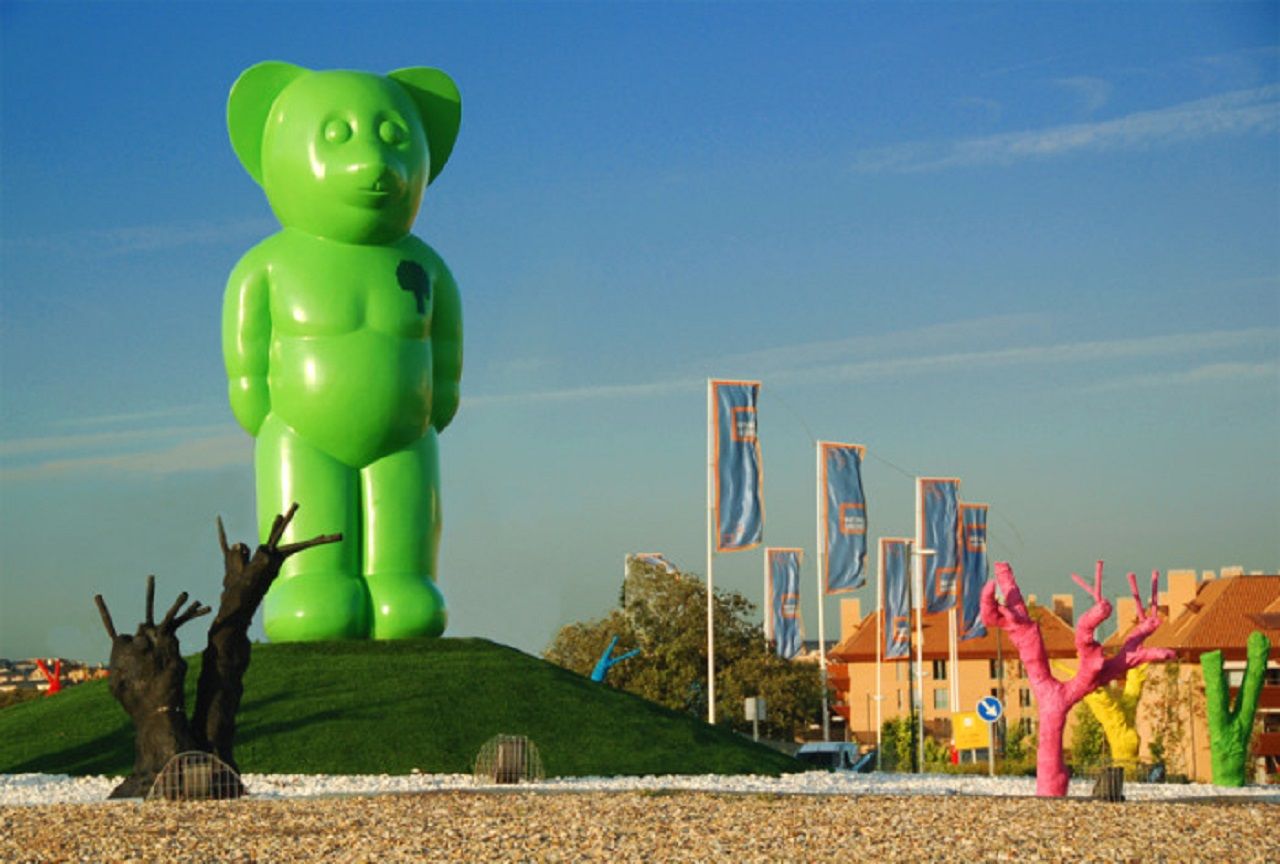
{"x": 196, "y": 776}
{"x": 508, "y": 759}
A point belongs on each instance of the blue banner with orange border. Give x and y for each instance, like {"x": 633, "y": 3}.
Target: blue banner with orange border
{"x": 895, "y": 562}
{"x": 973, "y": 555}
{"x": 739, "y": 504}
{"x": 939, "y": 499}
{"x": 784, "y": 599}
{"x": 844, "y": 516}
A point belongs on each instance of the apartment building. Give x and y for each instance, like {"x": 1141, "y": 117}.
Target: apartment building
{"x": 986, "y": 666}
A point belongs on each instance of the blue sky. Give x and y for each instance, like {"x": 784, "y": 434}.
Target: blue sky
{"x": 1035, "y": 246}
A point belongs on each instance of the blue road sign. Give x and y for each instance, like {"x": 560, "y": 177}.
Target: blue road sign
{"x": 990, "y": 709}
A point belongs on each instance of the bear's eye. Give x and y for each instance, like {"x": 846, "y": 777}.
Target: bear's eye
{"x": 337, "y": 131}
{"x": 392, "y": 132}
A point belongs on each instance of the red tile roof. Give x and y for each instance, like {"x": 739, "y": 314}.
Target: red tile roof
{"x": 1269, "y": 619}
{"x": 1220, "y": 617}
{"x": 860, "y": 646}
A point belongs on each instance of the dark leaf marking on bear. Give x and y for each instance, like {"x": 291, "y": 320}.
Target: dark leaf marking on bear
{"x": 414, "y": 279}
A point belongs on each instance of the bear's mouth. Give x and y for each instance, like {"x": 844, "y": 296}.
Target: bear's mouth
{"x": 371, "y": 196}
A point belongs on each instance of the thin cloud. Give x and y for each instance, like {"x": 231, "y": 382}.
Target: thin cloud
{"x": 808, "y": 355}
{"x": 778, "y": 365}
{"x": 102, "y": 440}
{"x": 130, "y": 239}
{"x": 988, "y": 109}
{"x": 206, "y": 453}
{"x": 133, "y": 417}
{"x": 1241, "y": 112}
{"x": 1092, "y": 93}
{"x": 1212, "y": 373}
{"x": 1067, "y": 353}
{"x": 590, "y": 392}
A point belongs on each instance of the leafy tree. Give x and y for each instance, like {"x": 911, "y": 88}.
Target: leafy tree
{"x": 1088, "y": 740}
{"x": 935, "y": 752}
{"x": 898, "y": 743}
{"x": 1168, "y": 716}
{"x": 664, "y": 615}
{"x": 1021, "y": 742}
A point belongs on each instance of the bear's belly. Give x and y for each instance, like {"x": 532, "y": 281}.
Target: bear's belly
{"x": 358, "y": 396}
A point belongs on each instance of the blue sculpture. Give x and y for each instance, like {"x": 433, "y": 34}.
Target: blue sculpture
{"x": 605, "y": 663}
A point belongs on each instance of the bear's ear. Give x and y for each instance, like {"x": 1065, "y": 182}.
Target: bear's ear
{"x": 248, "y": 106}
{"x": 440, "y": 107}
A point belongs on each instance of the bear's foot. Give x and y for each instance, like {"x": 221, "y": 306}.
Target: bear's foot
{"x": 316, "y": 607}
{"x": 405, "y": 605}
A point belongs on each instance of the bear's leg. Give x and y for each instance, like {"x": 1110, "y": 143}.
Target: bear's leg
{"x": 319, "y": 594}
{"x": 401, "y": 532}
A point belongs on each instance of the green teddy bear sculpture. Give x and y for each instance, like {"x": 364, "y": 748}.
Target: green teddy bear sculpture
{"x": 342, "y": 337}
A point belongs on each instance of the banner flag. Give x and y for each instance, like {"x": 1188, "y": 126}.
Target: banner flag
{"x": 844, "y": 523}
{"x": 941, "y": 533}
{"x": 784, "y": 599}
{"x": 739, "y": 506}
{"x": 973, "y": 551}
{"x": 895, "y": 558}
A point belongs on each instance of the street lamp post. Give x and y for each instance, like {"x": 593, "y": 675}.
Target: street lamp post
{"x": 917, "y": 604}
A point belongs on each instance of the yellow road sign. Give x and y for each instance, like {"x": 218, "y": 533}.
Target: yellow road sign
{"x": 969, "y": 731}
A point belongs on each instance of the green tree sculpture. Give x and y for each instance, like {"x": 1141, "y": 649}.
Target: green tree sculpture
{"x": 1230, "y": 726}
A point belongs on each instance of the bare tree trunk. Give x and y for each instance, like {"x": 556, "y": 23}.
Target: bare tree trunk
{"x": 226, "y": 654}
{"x": 147, "y": 672}
{"x": 147, "y": 675}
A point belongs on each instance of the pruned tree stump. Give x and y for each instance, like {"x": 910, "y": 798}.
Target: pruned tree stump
{"x": 1110, "y": 785}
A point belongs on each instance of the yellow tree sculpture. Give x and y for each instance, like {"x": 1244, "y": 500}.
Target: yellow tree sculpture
{"x": 1115, "y": 706}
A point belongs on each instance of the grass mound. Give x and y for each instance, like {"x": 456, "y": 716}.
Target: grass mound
{"x": 391, "y": 707}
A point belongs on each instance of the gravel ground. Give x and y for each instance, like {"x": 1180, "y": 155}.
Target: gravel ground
{"x": 649, "y": 826}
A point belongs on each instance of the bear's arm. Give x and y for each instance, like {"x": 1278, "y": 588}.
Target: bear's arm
{"x": 446, "y": 348}
{"x": 246, "y": 341}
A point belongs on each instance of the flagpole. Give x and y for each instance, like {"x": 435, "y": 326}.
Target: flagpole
{"x": 953, "y": 648}
{"x": 917, "y": 579}
{"x": 822, "y": 596}
{"x": 767, "y": 605}
{"x": 711, "y": 642}
{"x": 953, "y": 643}
{"x": 879, "y": 648}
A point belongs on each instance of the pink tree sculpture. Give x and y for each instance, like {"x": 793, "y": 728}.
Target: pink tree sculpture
{"x": 1055, "y": 698}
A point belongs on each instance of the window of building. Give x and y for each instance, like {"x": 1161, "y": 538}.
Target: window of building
{"x": 899, "y": 700}
{"x": 995, "y": 692}
{"x": 941, "y": 698}
{"x": 1019, "y": 671}
{"x": 1024, "y": 697}
{"x": 1235, "y": 677}
{"x": 939, "y": 670}
{"x": 1271, "y": 722}
{"x": 1272, "y": 677}
{"x": 900, "y": 671}
{"x": 994, "y": 666}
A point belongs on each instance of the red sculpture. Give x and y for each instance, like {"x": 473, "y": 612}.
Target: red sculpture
{"x": 54, "y": 678}
{"x": 1055, "y": 698}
